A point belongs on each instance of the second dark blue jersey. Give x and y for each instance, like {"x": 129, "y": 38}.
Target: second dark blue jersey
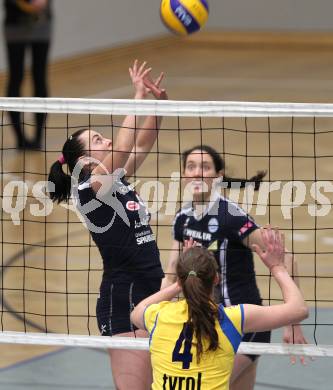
{"x": 119, "y": 224}
{"x": 222, "y": 228}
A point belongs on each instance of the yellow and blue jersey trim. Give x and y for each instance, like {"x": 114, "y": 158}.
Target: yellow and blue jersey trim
{"x": 153, "y": 329}
{"x": 229, "y": 329}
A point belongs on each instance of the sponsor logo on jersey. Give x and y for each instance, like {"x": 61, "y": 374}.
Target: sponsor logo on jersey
{"x": 245, "y": 227}
{"x": 213, "y": 246}
{"x": 198, "y": 235}
{"x": 145, "y": 239}
{"x": 131, "y": 205}
{"x": 213, "y": 225}
{"x": 142, "y": 222}
{"x": 182, "y": 382}
{"x": 122, "y": 189}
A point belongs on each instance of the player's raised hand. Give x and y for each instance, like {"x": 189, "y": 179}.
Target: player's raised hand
{"x": 293, "y": 334}
{"x": 154, "y": 87}
{"x": 138, "y": 73}
{"x": 190, "y": 243}
{"x": 144, "y": 84}
{"x": 273, "y": 254}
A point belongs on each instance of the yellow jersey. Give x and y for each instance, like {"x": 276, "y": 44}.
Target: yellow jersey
{"x": 174, "y": 360}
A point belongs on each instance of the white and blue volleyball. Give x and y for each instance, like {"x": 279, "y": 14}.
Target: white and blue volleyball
{"x": 184, "y": 17}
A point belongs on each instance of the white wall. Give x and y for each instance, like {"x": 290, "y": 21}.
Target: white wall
{"x": 297, "y": 15}
{"x": 83, "y": 25}
{"x": 87, "y": 25}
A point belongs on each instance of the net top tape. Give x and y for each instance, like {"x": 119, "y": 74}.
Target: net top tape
{"x": 143, "y": 344}
{"x": 165, "y": 108}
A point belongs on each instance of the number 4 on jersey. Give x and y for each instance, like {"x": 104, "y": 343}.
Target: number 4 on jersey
{"x": 185, "y": 357}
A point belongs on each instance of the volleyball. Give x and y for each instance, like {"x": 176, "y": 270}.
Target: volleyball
{"x": 184, "y": 17}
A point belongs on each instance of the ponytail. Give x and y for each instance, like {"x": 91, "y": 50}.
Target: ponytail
{"x": 59, "y": 183}
{"x": 219, "y": 165}
{"x": 256, "y": 180}
{"x": 196, "y": 271}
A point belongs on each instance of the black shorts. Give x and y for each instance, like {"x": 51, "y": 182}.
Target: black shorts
{"x": 257, "y": 337}
{"x": 117, "y": 299}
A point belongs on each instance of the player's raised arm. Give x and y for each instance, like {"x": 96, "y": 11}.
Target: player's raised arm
{"x": 294, "y": 309}
{"x": 170, "y": 272}
{"x": 137, "y": 315}
{"x": 146, "y": 133}
{"x": 128, "y": 134}
{"x": 292, "y": 334}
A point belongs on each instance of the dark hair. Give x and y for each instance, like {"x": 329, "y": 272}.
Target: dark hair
{"x": 219, "y": 165}
{"x": 72, "y": 150}
{"x": 197, "y": 287}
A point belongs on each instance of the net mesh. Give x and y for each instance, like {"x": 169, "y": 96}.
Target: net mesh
{"x": 50, "y": 268}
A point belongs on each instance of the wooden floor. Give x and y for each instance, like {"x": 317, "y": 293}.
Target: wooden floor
{"x": 206, "y": 68}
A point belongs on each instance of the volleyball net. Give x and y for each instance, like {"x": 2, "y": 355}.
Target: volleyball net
{"x": 51, "y": 269}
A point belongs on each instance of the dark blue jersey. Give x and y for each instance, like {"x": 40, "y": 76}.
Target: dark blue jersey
{"x": 119, "y": 225}
{"x": 222, "y": 228}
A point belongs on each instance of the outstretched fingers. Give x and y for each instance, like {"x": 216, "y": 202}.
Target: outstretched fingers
{"x": 135, "y": 66}
{"x": 190, "y": 243}
{"x": 142, "y": 66}
{"x": 143, "y": 82}
{"x": 133, "y": 69}
{"x": 278, "y": 243}
{"x": 272, "y": 250}
{"x": 157, "y": 82}
{"x": 144, "y": 74}
{"x": 258, "y": 250}
{"x": 271, "y": 238}
{"x": 264, "y": 235}
{"x": 141, "y": 72}
{"x": 155, "y": 90}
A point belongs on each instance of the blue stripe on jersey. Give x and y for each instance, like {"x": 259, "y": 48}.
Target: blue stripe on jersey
{"x": 194, "y": 25}
{"x": 229, "y": 329}
{"x": 152, "y": 331}
{"x": 144, "y": 318}
{"x": 242, "y": 314}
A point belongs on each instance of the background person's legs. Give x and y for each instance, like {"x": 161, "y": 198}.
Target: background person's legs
{"x": 40, "y": 52}
{"x": 15, "y": 58}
